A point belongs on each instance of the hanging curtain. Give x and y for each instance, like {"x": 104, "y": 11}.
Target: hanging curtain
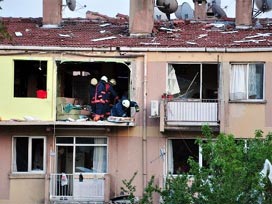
{"x": 14, "y": 163}
{"x": 99, "y": 156}
{"x": 173, "y": 86}
{"x": 252, "y": 82}
{"x": 170, "y": 157}
{"x": 238, "y": 82}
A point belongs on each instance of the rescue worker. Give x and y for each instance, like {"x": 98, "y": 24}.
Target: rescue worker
{"x": 100, "y": 99}
{"x": 120, "y": 108}
{"x": 132, "y": 104}
{"x": 92, "y": 89}
{"x": 111, "y": 97}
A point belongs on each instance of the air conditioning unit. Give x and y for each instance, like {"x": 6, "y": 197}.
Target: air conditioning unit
{"x": 154, "y": 108}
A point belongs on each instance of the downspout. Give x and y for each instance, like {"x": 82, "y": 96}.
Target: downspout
{"x": 144, "y": 133}
{"x": 144, "y": 129}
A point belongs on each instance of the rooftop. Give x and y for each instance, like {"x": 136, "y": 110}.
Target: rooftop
{"x": 107, "y": 32}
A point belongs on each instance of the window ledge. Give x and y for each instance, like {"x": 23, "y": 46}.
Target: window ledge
{"x": 249, "y": 101}
{"x": 26, "y": 176}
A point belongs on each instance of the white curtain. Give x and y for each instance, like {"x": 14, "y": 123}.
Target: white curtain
{"x": 170, "y": 158}
{"x": 173, "y": 86}
{"x": 252, "y": 82}
{"x": 14, "y": 161}
{"x": 238, "y": 82}
{"x": 100, "y": 156}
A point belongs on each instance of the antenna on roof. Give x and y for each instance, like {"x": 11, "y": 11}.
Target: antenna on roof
{"x": 71, "y": 4}
{"x": 263, "y": 6}
{"x": 184, "y": 11}
{"x": 217, "y": 11}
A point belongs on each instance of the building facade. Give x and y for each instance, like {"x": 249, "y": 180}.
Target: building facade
{"x": 182, "y": 78}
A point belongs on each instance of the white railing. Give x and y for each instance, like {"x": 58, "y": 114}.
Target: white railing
{"x": 191, "y": 112}
{"x": 91, "y": 188}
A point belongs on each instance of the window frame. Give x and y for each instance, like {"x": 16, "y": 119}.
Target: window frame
{"x": 247, "y": 82}
{"x": 74, "y": 144}
{"x": 29, "y": 165}
{"x": 200, "y": 156}
{"x": 43, "y": 69}
{"x": 202, "y": 66}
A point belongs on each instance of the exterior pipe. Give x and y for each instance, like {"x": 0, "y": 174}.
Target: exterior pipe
{"x": 145, "y": 124}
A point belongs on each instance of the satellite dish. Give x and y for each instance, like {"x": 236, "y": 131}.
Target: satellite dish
{"x": 217, "y": 2}
{"x": 71, "y": 4}
{"x": 158, "y": 15}
{"x": 167, "y": 6}
{"x": 184, "y": 11}
{"x": 264, "y": 5}
{"x": 218, "y": 11}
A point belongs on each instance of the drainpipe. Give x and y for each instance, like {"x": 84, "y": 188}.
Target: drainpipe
{"x": 144, "y": 134}
{"x": 144, "y": 129}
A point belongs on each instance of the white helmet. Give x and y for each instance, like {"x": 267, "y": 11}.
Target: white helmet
{"x": 126, "y": 103}
{"x": 94, "y": 81}
{"x": 104, "y": 78}
{"x": 113, "y": 82}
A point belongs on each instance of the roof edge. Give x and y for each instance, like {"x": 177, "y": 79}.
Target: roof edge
{"x": 140, "y": 49}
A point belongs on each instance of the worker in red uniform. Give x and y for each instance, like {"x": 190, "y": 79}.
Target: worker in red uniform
{"x": 111, "y": 96}
{"x": 100, "y": 99}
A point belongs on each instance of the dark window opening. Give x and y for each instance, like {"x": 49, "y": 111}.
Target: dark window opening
{"x": 74, "y": 78}
{"x": 28, "y": 154}
{"x": 29, "y": 77}
{"x": 198, "y": 81}
{"x": 22, "y": 154}
{"x": 74, "y": 86}
{"x": 179, "y": 151}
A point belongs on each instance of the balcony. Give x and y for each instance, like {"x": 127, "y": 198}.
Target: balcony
{"x": 72, "y": 188}
{"x": 188, "y": 114}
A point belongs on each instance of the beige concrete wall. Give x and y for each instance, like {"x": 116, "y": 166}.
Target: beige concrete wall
{"x": 26, "y": 191}
{"x": 5, "y": 164}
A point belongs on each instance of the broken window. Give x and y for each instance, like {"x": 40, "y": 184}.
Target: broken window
{"x": 246, "y": 82}
{"x": 28, "y": 154}
{"x": 179, "y": 151}
{"x": 197, "y": 81}
{"x": 29, "y": 77}
{"x": 89, "y": 155}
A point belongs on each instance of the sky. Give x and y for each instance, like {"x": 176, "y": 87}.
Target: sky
{"x": 33, "y": 8}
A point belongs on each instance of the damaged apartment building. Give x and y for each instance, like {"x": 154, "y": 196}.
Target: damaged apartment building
{"x": 182, "y": 73}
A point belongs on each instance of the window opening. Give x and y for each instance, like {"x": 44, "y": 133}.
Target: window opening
{"x": 85, "y": 155}
{"x": 179, "y": 151}
{"x": 29, "y": 77}
{"x": 247, "y": 81}
{"x": 28, "y": 154}
{"x": 197, "y": 81}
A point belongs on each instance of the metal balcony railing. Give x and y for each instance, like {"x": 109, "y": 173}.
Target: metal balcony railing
{"x": 191, "y": 112}
{"x": 71, "y": 188}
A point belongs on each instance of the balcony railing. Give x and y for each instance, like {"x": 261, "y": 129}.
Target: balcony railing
{"x": 72, "y": 188}
{"x": 189, "y": 112}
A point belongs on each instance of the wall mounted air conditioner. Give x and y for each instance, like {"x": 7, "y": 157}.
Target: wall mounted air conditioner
{"x": 154, "y": 108}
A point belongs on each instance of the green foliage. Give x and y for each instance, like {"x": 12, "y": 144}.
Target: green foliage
{"x": 231, "y": 174}
{"x": 176, "y": 190}
{"x": 148, "y": 192}
{"x": 3, "y": 32}
{"x": 129, "y": 189}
